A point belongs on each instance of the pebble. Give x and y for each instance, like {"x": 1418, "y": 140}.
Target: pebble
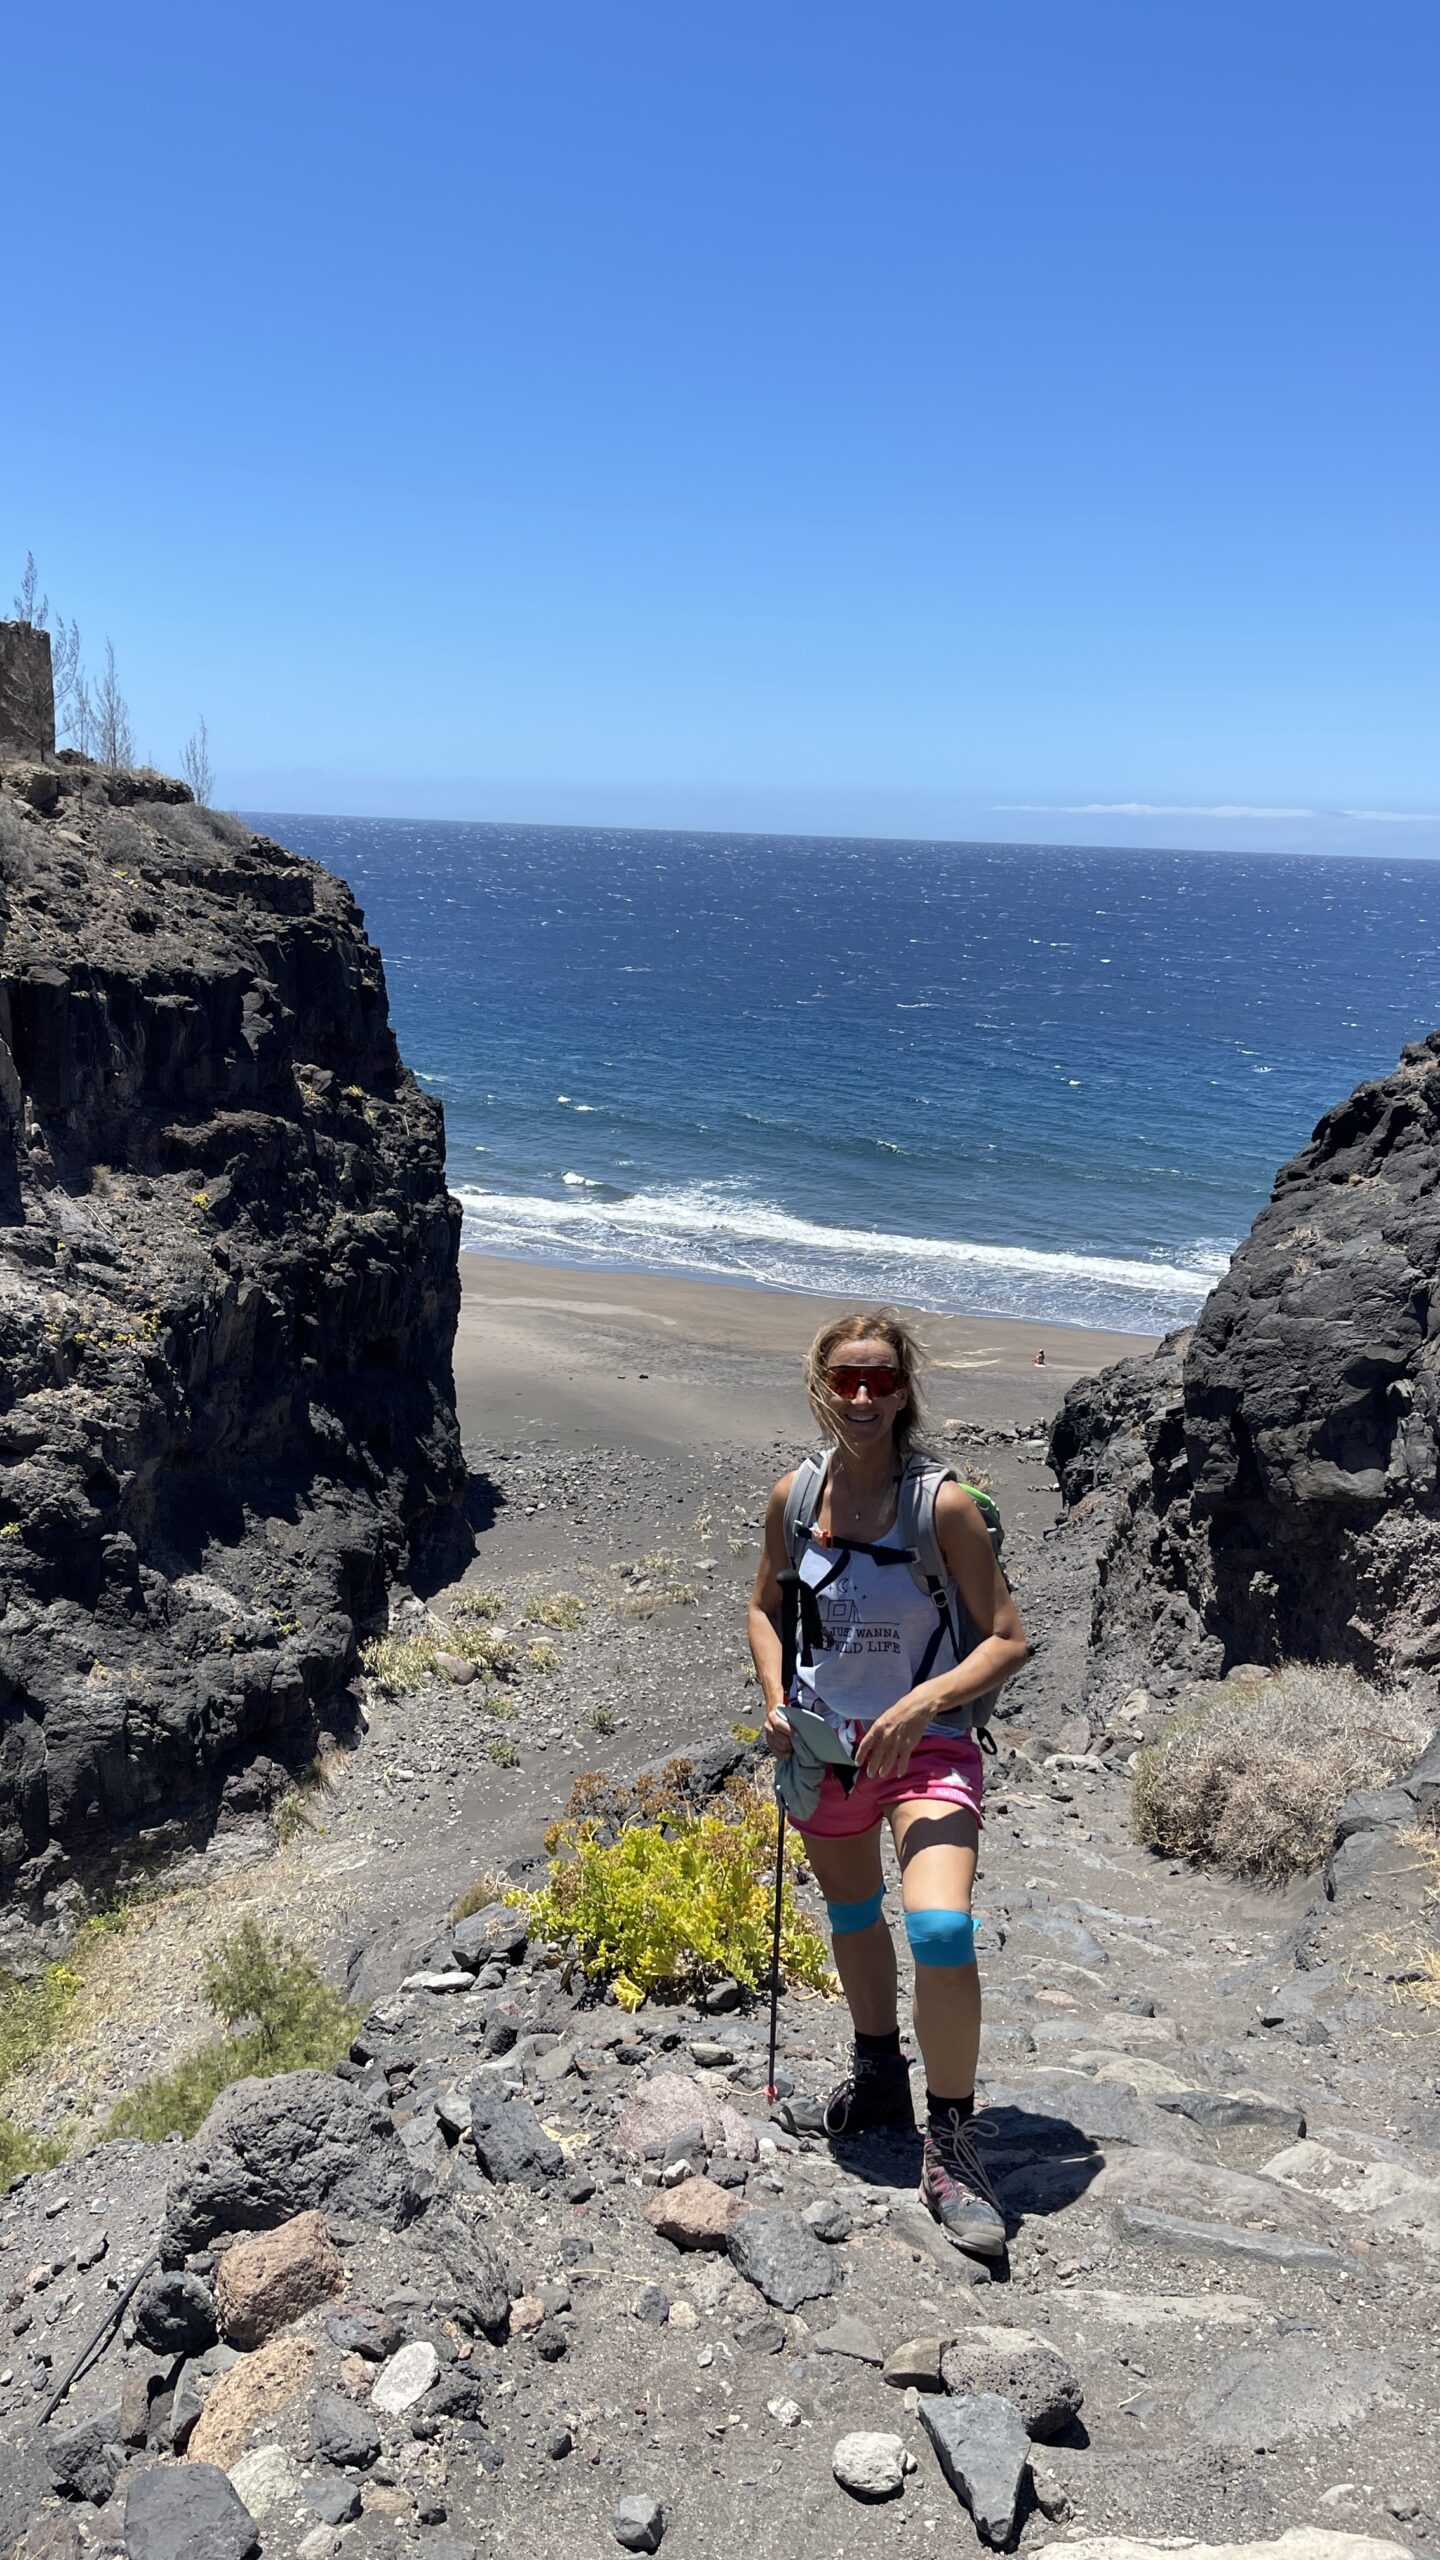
{"x": 406, "y": 2378}
{"x": 870, "y": 2466}
{"x": 638, "y": 2524}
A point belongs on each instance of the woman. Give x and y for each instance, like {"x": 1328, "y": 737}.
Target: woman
{"x": 905, "y": 1710}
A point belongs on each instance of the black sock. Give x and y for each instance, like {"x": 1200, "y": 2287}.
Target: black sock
{"x": 940, "y": 2110}
{"x": 878, "y": 2048}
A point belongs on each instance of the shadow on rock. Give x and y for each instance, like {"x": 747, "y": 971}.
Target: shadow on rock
{"x": 1040, "y": 2163}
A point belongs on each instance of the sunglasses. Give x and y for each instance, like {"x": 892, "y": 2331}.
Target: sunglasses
{"x": 848, "y": 1382}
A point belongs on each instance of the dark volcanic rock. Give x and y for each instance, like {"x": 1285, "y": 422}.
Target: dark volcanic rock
{"x": 175, "y": 2314}
{"x": 782, "y": 2259}
{"x": 230, "y": 1288}
{"x": 342, "y": 2433}
{"x": 510, "y": 2141}
{"x": 270, "y": 2149}
{"x": 189, "y": 2512}
{"x": 1265, "y": 1487}
{"x": 466, "y": 2281}
{"x": 984, "y": 2452}
{"x": 86, "y": 2460}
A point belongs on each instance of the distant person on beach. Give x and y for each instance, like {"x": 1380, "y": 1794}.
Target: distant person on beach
{"x": 896, "y": 1671}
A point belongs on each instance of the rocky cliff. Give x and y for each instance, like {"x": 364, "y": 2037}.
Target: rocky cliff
{"x": 228, "y": 1293}
{"x": 1266, "y": 1485}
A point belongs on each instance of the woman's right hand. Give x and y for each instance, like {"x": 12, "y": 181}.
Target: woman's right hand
{"x": 779, "y": 1740}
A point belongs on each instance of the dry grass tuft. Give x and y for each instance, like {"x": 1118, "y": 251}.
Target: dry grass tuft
{"x": 1414, "y": 1961}
{"x": 399, "y": 1662}
{"x": 558, "y": 1610}
{"x": 492, "y": 1886}
{"x": 476, "y": 1604}
{"x": 1251, "y": 1778}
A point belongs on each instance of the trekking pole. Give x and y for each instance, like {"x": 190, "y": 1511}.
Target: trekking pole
{"x": 789, "y": 1646}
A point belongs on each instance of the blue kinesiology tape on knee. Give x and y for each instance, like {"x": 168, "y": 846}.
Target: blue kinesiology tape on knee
{"x": 941, "y": 1937}
{"x": 848, "y": 1916}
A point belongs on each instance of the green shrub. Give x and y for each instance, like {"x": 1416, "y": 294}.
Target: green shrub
{"x": 297, "y": 2023}
{"x": 503, "y": 1752}
{"x": 1249, "y": 1777}
{"x": 669, "y": 1904}
{"x": 32, "y": 2014}
{"x": 22, "y": 2151}
{"x": 542, "y": 1656}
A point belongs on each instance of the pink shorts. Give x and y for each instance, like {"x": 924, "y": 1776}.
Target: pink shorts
{"x": 944, "y": 1769}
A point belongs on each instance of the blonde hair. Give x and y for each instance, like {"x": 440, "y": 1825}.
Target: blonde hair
{"x": 866, "y": 1324}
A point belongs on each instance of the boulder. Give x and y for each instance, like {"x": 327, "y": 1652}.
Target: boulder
{"x": 984, "y": 2452}
{"x": 511, "y": 2144}
{"x": 175, "y": 2314}
{"x": 262, "y": 2285}
{"x": 671, "y": 2102}
{"x": 268, "y": 2477}
{"x": 499, "y": 1932}
{"x": 695, "y": 2215}
{"x": 187, "y": 2512}
{"x": 342, "y": 2433}
{"x": 784, "y": 2261}
{"x": 361, "y": 2329}
{"x": 405, "y": 2379}
{"x": 271, "y": 2149}
{"x": 915, "y": 2365}
{"x": 259, "y": 2386}
{"x": 86, "y": 2460}
{"x": 1022, "y": 2368}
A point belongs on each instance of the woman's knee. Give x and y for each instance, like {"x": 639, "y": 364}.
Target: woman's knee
{"x": 941, "y": 1938}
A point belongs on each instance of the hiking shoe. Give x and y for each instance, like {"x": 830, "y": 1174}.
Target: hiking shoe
{"x": 874, "y": 2098}
{"x": 954, "y": 2184}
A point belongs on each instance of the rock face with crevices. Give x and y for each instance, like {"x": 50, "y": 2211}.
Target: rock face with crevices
{"x": 228, "y": 1295}
{"x": 1267, "y": 1486}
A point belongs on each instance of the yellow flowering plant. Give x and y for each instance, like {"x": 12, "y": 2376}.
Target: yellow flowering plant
{"x": 669, "y": 1904}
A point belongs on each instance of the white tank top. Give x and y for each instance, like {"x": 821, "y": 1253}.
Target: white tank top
{"x": 878, "y": 1624}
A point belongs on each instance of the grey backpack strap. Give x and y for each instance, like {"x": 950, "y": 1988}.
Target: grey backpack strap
{"x": 919, "y": 1486}
{"x": 802, "y": 1502}
{"x": 915, "y": 1520}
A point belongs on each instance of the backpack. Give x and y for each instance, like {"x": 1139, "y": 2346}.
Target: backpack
{"x": 915, "y": 1519}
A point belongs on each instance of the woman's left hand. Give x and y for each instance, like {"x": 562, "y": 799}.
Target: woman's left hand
{"x": 884, "y": 1748}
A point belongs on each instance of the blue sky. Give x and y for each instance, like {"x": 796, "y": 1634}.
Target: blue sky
{"x": 986, "y": 420}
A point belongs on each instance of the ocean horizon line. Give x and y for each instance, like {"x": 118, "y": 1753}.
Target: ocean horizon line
{"x": 266, "y": 820}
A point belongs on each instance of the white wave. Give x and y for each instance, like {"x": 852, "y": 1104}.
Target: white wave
{"x": 580, "y": 1182}
{"x": 711, "y": 1229}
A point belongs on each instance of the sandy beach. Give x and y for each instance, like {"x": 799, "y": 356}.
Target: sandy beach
{"x": 642, "y": 1361}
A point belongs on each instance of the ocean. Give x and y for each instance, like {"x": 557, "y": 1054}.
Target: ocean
{"x": 995, "y": 1079}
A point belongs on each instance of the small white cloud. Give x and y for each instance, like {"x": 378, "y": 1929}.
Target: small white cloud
{"x": 1153, "y": 809}
{"x": 1396, "y": 817}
